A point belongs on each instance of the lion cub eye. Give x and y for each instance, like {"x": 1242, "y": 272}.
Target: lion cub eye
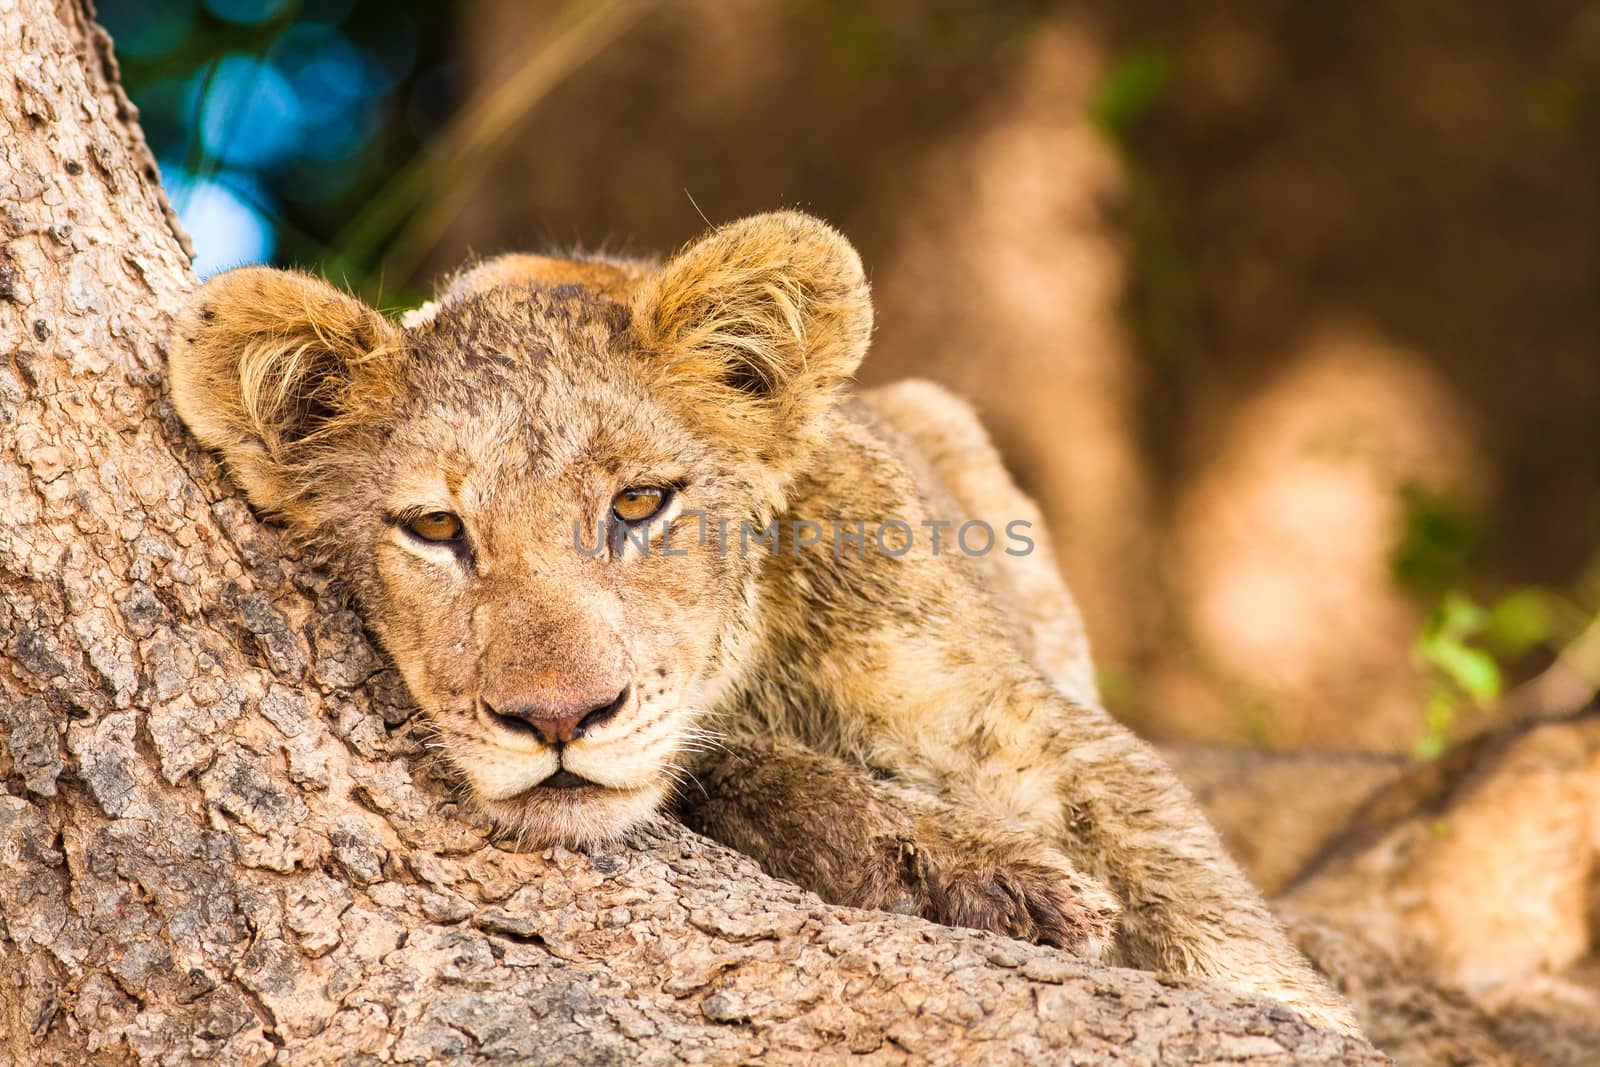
{"x": 638, "y": 504}
{"x": 435, "y": 526}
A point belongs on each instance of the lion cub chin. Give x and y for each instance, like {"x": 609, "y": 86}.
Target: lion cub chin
{"x": 596, "y": 509}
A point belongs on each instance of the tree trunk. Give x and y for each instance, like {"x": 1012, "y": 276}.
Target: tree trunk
{"x": 220, "y": 838}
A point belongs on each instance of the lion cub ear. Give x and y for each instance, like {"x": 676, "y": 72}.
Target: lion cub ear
{"x": 266, "y": 364}
{"x": 759, "y": 323}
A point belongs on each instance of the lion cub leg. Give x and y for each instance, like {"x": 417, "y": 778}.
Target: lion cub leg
{"x": 1068, "y": 773}
{"x": 861, "y": 842}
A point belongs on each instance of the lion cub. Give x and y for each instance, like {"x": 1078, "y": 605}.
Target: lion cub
{"x": 596, "y": 512}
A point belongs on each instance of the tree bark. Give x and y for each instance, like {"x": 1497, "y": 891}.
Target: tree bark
{"x": 220, "y": 836}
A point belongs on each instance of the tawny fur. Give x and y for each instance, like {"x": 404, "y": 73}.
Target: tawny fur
{"x": 935, "y": 710}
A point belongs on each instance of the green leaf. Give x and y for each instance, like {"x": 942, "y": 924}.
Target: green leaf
{"x": 1437, "y": 542}
{"x": 1460, "y": 616}
{"x": 1472, "y": 669}
{"x": 1521, "y": 621}
{"x": 1431, "y": 747}
{"x": 1129, "y": 89}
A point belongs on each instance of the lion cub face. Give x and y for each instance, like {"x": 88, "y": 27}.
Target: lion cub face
{"x": 526, "y": 490}
{"x": 527, "y": 547}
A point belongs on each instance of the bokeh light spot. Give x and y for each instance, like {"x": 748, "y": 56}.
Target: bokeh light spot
{"x": 344, "y": 136}
{"x": 251, "y": 115}
{"x": 225, "y": 228}
{"x": 247, "y": 12}
{"x": 328, "y": 73}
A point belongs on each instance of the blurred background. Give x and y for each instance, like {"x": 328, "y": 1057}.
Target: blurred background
{"x": 1288, "y": 313}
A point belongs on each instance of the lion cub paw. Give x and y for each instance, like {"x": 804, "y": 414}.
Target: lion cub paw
{"x": 1012, "y": 885}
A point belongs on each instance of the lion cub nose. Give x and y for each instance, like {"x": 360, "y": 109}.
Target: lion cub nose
{"x": 555, "y": 720}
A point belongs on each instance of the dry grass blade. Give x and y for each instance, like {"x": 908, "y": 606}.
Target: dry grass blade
{"x": 428, "y": 193}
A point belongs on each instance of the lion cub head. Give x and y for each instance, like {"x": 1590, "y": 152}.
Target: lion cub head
{"x": 523, "y": 488}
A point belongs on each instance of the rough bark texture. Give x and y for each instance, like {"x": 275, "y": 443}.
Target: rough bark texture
{"x": 217, "y": 836}
{"x": 1456, "y": 903}
{"x": 1479, "y": 874}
